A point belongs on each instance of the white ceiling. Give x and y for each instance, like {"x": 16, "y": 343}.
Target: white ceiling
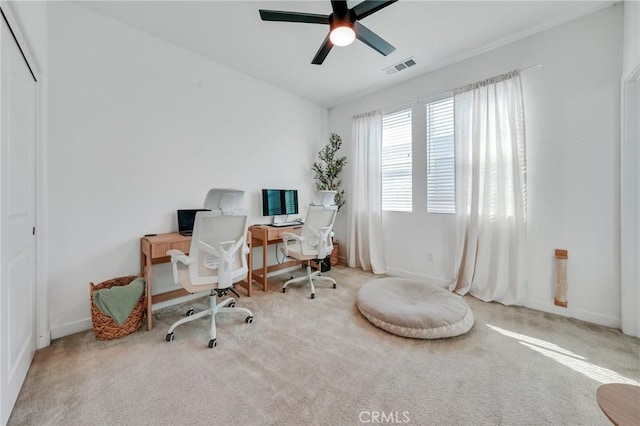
{"x": 434, "y": 33}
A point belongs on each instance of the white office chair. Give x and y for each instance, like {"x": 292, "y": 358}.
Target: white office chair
{"x": 314, "y": 242}
{"x": 216, "y": 261}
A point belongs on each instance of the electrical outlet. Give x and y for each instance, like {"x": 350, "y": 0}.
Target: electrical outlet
{"x": 430, "y": 257}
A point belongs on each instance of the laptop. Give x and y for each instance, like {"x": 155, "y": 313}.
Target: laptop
{"x": 186, "y": 218}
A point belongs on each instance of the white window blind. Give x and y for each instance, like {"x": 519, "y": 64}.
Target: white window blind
{"x": 440, "y": 157}
{"x": 396, "y": 161}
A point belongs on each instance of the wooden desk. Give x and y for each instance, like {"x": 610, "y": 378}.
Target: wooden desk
{"x": 263, "y": 236}
{"x": 153, "y": 250}
{"x": 620, "y": 403}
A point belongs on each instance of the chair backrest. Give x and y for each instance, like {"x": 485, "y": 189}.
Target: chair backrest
{"x": 218, "y": 241}
{"x": 218, "y": 245}
{"x": 226, "y": 201}
{"x": 324, "y": 198}
{"x": 318, "y": 225}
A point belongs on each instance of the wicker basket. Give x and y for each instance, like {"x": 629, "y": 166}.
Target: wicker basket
{"x": 335, "y": 254}
{"x": 105, "y": 327}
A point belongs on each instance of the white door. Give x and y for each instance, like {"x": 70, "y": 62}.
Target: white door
{"x": 17, "y": 219}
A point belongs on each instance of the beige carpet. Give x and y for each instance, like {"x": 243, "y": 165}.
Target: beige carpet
{"x": 319, "y": 362}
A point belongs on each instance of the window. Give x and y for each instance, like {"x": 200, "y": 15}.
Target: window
{"x": 440, "y": 157}
{"x": 396, "y": 161}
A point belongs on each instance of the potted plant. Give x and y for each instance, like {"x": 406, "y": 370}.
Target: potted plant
{"x": 327, "y": 177}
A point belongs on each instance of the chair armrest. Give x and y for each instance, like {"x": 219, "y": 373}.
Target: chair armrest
{"x": 290, "y": 238}
{"x": 179, "y": 256}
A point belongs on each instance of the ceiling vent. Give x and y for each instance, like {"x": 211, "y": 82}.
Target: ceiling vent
{"x": 403, "y": 65}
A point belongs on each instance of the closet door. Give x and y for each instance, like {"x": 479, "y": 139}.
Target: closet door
{"x": 17, "y": 219}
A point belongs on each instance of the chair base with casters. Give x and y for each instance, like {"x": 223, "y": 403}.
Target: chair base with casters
{"x": 310, "y": 277}
{"x": 226, "y": 306}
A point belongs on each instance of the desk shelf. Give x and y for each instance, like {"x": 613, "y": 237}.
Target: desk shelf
{"x": 264, "y": 236}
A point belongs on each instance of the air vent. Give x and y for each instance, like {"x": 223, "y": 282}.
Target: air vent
{"x": 403, "y": 65}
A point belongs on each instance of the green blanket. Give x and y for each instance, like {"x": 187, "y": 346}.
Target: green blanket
{"x": 119, "y": 301}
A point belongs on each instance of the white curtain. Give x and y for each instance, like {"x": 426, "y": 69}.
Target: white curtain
{"x": 491, "y": 190}
{"x": 364, "y": 247}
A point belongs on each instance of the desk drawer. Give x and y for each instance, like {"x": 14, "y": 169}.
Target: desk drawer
{"x": 276, "y": 234}
{"x": 161, "y": 249}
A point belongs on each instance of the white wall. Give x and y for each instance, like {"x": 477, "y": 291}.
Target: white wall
{"x": 140, "y": 128}
{"x": 572, "y": 130}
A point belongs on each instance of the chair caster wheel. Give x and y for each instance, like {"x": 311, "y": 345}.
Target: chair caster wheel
{"x": 284, "y": 290}
{"x": 190, "y": 312}
{"x": 169, "y": 337}
{"x": 248, "y": 319}
{"x": 212, "y": 343}
{"x": 313, "y": 296}
{"x": 334, "y": 285}
{"x": 231, "y": 305}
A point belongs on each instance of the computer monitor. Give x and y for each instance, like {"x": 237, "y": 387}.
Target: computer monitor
{"x": 277, "y": 202}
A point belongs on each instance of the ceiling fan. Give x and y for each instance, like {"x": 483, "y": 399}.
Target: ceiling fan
{"x": 344, "y": 25}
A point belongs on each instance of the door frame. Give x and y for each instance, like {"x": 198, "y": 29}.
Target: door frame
{"x": 630, "y": 205}
{"x": 43, "y": 338}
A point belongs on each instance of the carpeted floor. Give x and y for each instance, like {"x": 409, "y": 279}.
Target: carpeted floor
{"x": 319, "y": 362}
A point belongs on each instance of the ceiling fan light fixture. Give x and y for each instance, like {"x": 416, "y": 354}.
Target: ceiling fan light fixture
{"x": 344, "y": 25}
{"x": 342, "y": 35}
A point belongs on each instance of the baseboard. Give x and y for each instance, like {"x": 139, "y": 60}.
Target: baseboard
{"x": 178, "y": 300}
{"x": 71, "y": 328}
{"x": 592, "y": 317}
{"x": 406, "y": 274}
{"x": 86, "y": 324}
{"x": 44, "y": 340}
{"x": 538, "y": 305}
{"x": 282, "y": 271}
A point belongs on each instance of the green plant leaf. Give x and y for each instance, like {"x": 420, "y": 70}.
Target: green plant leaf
{"x": 327, "y": 169}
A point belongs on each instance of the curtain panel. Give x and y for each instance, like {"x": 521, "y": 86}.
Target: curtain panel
{"x": 364, "y": 228}
{"x": 491, "y": 200}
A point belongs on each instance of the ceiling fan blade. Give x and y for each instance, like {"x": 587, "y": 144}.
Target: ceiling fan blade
{"x": 367, "y": 7}
{"x": 339, "y": 7}
{"x": 372, "y": 40}
{"x": 283, "y": 16}
{"x": 322, "y": 52}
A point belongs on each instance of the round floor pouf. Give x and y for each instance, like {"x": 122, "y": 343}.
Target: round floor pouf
{"x": 415, "y": 309}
